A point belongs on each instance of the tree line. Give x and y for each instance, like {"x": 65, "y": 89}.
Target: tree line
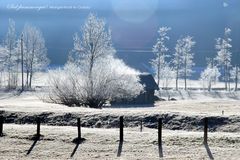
{"x": 22, "y": 54}
{"x": 181, "y": 62}
{"x": 94, "y": 76}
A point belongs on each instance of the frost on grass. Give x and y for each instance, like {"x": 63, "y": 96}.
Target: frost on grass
{"x": 102, "y": 144}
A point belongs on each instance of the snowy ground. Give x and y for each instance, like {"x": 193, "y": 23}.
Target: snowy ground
{"x": 103, "y": 144}
{"x": 188, "y": 102}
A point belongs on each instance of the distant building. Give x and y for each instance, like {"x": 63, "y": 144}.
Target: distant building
{"x": 147, "y": 96}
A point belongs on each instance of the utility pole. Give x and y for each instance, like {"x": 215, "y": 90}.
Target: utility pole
{"x": 22, "y": 61}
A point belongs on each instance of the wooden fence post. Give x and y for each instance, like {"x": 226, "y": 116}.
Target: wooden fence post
{"x": 79, "y": 128}
{"x": 141, "y": 126}
{"x": 1, "y": 125}
{"x": 38, "y": 127}
{"x": 121, "y": 128}
{"x": 205, "y": 131}
{"x": 159, "y": 131}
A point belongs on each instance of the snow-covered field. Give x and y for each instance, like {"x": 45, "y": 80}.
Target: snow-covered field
{"x": 104, "y": 144}
{"x": 188, "y": 102}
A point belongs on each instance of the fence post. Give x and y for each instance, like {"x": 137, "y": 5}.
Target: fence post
{"x": 1, "y": 125}
{"x": 38, "y": 127}
{"x": 159, "y": 131}
{"x": 121, "y": 128}
{"x": 141, "y": 126}
{"x": 79, "y": 128}
{"x": 205, "y": 131}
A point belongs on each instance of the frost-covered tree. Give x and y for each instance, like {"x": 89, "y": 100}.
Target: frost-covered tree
{"x": 177, "y": 60}
{"x": 160, "y": 52}
{"x": 11, "y": 55}
{"x": 70, "y": 86}
{"x": 35, "y": 52}
{"x": 94, "y": 44}
{"x": 167, "y": 75}
{"x": 210, "y": 75}
{"x": 93, "y": 76}
{"x": 3, "y": 58}
{"x": 235, "y": 76}
{"x": 224, "y": 55}
{"x": 20, "y": 49}
{"x": 183, "y": 59}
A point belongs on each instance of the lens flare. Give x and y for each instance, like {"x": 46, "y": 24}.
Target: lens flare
{"x": 134, "y": 11}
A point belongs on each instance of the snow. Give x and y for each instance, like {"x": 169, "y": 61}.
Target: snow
{"x": 199, "y": 104}
{"x": 103, "y": 144}
{"x": 193, "y": 102}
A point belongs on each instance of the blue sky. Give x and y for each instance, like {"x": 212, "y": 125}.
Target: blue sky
{"x": 134, "y": 24}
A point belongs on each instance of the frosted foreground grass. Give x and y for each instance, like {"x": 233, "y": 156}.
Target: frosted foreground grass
{"x": 103, "y": 144}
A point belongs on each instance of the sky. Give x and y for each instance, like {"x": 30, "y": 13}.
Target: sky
{"x": 134, "y": 24}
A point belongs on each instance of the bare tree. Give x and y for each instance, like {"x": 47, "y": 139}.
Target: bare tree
{"x": 177, "y": 61}
{"x": 183, "y": 59}
{"x": 11, "y": 57}
{"x": 93, "y": 76}
{"x": 160, "y": 50}
{"x": 94, "y": 44}
{"x": 22, "y": 67}
{"x": 235, "y": 76}
{"x": 210, "y": 75}
{"x": 167, "y": 75}
{"x": 70, "y": 86}
{"x": 3, "y": 57}
{"x": 35, "y": 52}
{"x": 224, "y": 55}
{"x": 20, "y": 49}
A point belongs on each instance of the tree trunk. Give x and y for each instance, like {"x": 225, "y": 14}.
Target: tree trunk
{"x": 236, "y": 79}
{"x": 31, "y": 67}
{"x": 185, "y": 81}
{"x": 9, "y": 79}
{"x": 158, "y": 77}
{"x": 158, "y": 72}
{"x": 209, "y": 86}
{"x": 27, "y": 79}
{"x": 229, "y": 83}
{"x": 17, "y": 73}
{"x": 30, "y": 80}
{"x": 90, "y": 70}
{"x": 9, "y": 67}
{"x": 1, "y": 79}
{"x": 30, "y": 75}
{"x": 22, "y": 61}
{"x": 177, "y": 80}
{"x": 225, "y": 77}
{"x": 185, "y": 74}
